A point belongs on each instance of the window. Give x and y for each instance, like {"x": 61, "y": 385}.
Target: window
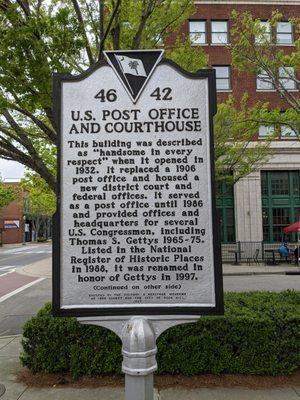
{"x": 280, "y": 203}
{"x": 197, "y": 32}
{"x": 296, "y": 188}
{"x": 280, "y": 183}
{"x": 281, "y": 219}
{"x": 284, "y": 33}
{"x": 225, "y": 206}
{"x": 266, "y": 224}
{"x": 264, "y": 130}
{"x": 264, "y": 81}
{"x": 222, "y": 77}
{"x": 264, "y": 184}
{"x": 288, "y": 132}
{"x": 286, "y": 77}
{"x": 265, "y": 34}
{"x": 219, "y": 32}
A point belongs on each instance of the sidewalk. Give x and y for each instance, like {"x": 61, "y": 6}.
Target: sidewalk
{"x": 43, "y": 268}
{"x": 10, "y": 366}
{"x": 261, "y": 269}
{"x": 40, "y": 269}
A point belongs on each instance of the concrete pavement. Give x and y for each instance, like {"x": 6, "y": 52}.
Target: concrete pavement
{"x": 43, "y": 269}
{"x": 10, "y": 349}
{"x": 14, "y": 257}
{"x": 260, "y": 269}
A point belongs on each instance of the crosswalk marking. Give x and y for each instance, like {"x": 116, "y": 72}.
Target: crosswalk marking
{"x": 17, "y": 250}
{"x": 30, "y": 250}
{"x": 9, "y": 272}
{"x": 39, "y": 252}
{"x": 3, "y": 268}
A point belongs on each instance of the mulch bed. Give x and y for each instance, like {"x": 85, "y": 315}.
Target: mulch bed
{"x": 161, "y": 381}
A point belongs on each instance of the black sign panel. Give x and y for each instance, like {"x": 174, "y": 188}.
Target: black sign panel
{"x": 136, "y": 230}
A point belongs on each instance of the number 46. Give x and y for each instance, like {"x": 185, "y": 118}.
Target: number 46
{"x": 110, "y": 95}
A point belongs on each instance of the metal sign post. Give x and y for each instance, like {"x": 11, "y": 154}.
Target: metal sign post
{"x": 136, "y": 243}
{"x": 138, "y": 335}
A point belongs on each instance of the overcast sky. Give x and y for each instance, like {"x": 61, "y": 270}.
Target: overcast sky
{"x": 11, "y": 170}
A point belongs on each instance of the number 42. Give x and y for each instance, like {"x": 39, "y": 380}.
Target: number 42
{"x": 162, "y": 94}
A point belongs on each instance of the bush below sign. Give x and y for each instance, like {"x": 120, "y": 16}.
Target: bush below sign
{"x": 259, "y": 334}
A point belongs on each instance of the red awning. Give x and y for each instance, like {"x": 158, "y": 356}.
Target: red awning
{"x": 292, "y": 228}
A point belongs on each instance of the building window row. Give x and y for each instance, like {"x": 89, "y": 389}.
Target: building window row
{"x": 219, "y": 32}
{"x": 283, "y": 34}
{"x": 286, "y": 131}
{"x": 198, "y": 32}
{"x": 280, "y": 192}
{"x": 280, "y": 203}
{"x": 286, "y": 79}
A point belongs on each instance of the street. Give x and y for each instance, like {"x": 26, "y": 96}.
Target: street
{"x": 17, "y": 257}
{"x": 21, "y": 295}
{"x": 25, "y": 289}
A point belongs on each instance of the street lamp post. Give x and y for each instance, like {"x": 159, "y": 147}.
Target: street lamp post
{"x": 24, "y": 230}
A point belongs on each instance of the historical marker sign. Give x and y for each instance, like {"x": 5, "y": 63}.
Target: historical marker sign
{"x": 136, "y": 228}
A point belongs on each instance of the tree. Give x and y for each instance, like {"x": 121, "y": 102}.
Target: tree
{"x": 236, "y": 152}
{"x": 39, "y": 202}
{"x": 254, "y": 49}
{"x": 40, "y": 37}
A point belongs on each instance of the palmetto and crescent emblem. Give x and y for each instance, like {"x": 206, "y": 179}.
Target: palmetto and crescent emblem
{"x": 134, "y": 68}
{"x": 134, "y": 65}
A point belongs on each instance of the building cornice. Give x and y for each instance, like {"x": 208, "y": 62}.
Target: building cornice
{"x": 257, "y": 2}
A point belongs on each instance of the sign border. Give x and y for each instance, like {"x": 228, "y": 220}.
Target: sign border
{"x": 58, "y": 80}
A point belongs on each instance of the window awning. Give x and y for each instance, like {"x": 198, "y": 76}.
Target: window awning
{"x": 292, "y": 228}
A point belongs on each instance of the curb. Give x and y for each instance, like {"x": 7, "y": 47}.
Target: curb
{"x": 292, "y": 273}
{"x": 261, "y": 273}
{"x": 36, "y": 274}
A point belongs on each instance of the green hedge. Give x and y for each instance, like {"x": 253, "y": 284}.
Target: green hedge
{"x": 259, "y": 334}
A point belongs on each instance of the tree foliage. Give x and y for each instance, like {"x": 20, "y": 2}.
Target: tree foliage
{"x": 7, "y": 194}
{"x": 39, "y": 201}
{"x": 255, "y": 50}
{"x": 39, "y": 198}
{"x": 236, "y": 127}
{"x": 41, "y": 37}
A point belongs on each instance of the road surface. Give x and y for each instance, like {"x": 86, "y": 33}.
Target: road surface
{"x": 21, "y": 295}
{"x": 19, "y": 256}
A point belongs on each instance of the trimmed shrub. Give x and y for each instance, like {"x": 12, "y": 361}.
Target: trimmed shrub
{"x": 259, "y": 334}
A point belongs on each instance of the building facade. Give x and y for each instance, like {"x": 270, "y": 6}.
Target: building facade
{"x": 261, "y": 204}
{"x": 12, "y": 223}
